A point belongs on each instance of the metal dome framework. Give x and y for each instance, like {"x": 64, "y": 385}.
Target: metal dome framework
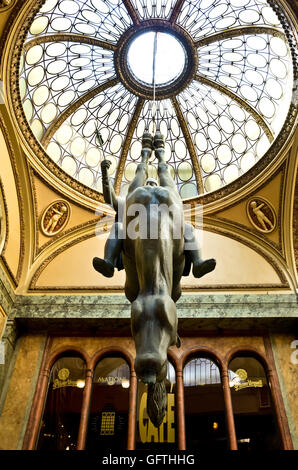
{"x": 219, "y": 117}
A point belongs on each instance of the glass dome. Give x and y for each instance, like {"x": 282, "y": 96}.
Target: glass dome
{"x": 220, "y": 106}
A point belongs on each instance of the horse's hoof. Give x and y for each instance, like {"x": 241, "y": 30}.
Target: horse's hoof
{"x": 159, "y": 140}
{"x": 147, "y": 140}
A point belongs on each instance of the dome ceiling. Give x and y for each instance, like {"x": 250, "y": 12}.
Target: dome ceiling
{"x": 220, "y": 109}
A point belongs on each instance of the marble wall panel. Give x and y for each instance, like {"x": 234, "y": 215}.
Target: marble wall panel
{"x": 18, "y": 400}
{"x": 285, "y": 350}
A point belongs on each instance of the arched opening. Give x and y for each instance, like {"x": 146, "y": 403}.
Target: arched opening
{"x": 109, "y": 407}
{"x": 204, "y": 405}
{"x": 254, "y": 417}
{"x": 62, "y": 412}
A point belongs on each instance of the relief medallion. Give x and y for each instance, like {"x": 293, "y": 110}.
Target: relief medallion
{"x": 55, "y": 218}
{"x": 261, "y": 214}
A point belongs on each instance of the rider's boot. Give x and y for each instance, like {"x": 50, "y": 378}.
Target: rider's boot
{"x": 202, "y": 267}
{"x": 103, "y": 266}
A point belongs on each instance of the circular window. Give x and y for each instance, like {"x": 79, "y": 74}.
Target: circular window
{"x": 223, "y": 74}
{"x": 156, "y": 58}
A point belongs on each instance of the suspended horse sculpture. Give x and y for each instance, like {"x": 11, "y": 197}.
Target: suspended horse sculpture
{"x": 149, "y": 241}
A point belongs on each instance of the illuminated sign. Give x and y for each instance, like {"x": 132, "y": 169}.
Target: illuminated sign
{"x": 64, "y": 381}
{"x": 240, "y": 381}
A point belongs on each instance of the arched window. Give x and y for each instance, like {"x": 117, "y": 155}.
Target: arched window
{"x": 252, "y": 405}
{"x": 148, "y": 437}
{"x": 62, "y": 412}
{"x": 108, "y": 418}
{"x": 204, "y": 405}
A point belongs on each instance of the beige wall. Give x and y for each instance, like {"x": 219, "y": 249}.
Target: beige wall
{"x": 237, "y": 264}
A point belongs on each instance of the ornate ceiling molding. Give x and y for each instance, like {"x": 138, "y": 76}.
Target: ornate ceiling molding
{"x": 4, "y": 228}
{"x": 142, "y": 89}
{"x": 17, "y": 180}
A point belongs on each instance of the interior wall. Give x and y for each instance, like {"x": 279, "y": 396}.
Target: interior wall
{"x": 237, "y": 265}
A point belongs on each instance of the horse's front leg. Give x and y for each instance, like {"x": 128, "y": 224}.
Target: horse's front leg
{"x": 131, "y": 287}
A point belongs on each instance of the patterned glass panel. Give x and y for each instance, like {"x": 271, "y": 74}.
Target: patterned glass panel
{"x": 79, "y": 154}
{"x": 216, "y": 129}
{"x": 105, "y": 20}
{"x": 214, "y": 16}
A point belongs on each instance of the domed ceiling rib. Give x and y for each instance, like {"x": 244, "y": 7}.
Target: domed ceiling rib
{"x": 190, "y": 145}
{"x": 73, "y": 107}
{"x": 69, "y": 37}
{"x": 127, "y": 144}
{"x": 258, "y": 118}
{"x": 239, "y": 31}
{"x": 176, "y": 10}
{"x": 131, "y": 11}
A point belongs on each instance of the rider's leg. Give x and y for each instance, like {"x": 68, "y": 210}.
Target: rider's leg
{"x": 192, "y": 250}
{"x": 142, "y": 168}
{"x": 165, "y": 177}
{"x": 112, "y": 252}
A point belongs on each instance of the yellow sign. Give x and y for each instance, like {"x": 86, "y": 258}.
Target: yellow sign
{"x": 249, "y": 383}
{"x": 63, "y": 374}
{"x": 242, "y": 374}
{"x": 166, "y": 431}
{"x": 64, "y": 381}
{"x": 111, "y": 380}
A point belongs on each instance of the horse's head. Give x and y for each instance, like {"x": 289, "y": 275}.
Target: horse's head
{"x": 154, "y": 329}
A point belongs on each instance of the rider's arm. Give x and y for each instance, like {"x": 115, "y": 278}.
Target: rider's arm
{"x": 107, "y": 187}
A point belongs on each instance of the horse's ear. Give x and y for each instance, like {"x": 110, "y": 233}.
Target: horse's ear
{"x": 178, "y": 341}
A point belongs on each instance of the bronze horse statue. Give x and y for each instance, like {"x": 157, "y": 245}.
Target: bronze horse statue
{"x": 151, "y": 246}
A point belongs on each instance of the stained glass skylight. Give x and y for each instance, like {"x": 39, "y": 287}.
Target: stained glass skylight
{"x": 220, "y": 107}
